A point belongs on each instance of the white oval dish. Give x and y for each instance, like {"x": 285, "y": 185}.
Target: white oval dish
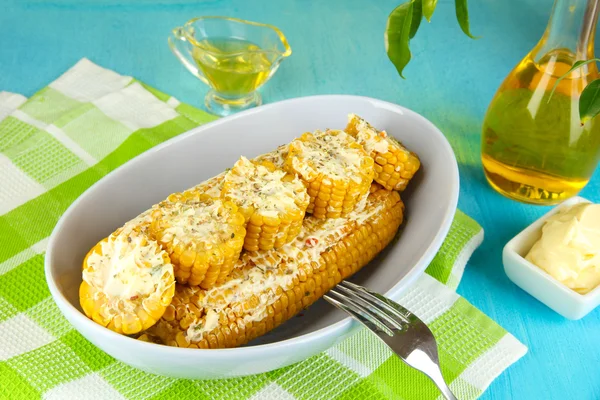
{"x": 539, "y": 283}
{"x": 206, "y": 151}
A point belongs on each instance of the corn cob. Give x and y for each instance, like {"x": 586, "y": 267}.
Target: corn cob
{"x": 269, "y": 287}
{"x": 394, "y": 164}
{"x": 272, "y": 201}
{"x": 335, "y": 169}
{"x": 276, "y": 157}
{"x": 202, "y": 235}
{"x": 127, "y": 282}
{"x": 211, "y": 187}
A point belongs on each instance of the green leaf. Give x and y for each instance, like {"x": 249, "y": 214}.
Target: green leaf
{"x": 462, "y": 15}
{"x": 589, "y": 102}
{"x": 417, "y": 16}
{"x": 397, "y": 35}
{"x": 429, "y": 8}
{"x": 576, "y": 65}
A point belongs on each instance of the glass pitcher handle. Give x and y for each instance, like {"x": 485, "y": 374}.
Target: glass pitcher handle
{"x": 181, "y": 47}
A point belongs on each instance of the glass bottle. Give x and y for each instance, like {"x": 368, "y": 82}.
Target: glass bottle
{"x": 534, "y": 147}
{"x": 232, "y": 56}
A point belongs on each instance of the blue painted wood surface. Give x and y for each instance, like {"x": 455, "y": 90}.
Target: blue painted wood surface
{"x": 338, "y": 48}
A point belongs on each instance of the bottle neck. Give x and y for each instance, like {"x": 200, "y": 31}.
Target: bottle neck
{"x": 571, "y": 28}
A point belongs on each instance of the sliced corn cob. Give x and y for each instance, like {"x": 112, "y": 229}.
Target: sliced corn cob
{"x": 211, "y": 187}
{"x": 139, "y": 224}
{"x": 335, "y": 169}
{"x": 272, "y": 201}
{"x": 276, "y": 157}
{"x": 202, "y": 235}
{"x": 271, "y": 286}
{"x": 127, "y": 282}
{"x": 394, "y": 164}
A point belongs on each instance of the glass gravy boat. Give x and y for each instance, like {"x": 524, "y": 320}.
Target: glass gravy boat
{"x": 232, "y": 56}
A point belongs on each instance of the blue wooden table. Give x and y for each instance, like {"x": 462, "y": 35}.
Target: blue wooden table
{"x": 338, "y": 48}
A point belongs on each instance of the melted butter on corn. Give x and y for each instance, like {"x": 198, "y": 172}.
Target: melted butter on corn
{"x": 274, "y": 269}
{"x": 329, "y": 153}
{"x": 211, "y": 320}
{"x": 130, "y": 267}
{"x": 212, "y": 186}
{"x": 140, "y": 222}
{"x": 264, "y": 190}
{"x": 361, "y": 204}
{"x": 277, "y": 157}
{"x": 394, "y": 165}
{"x": 196, "y": 221}
{"x": 369, "y": 137}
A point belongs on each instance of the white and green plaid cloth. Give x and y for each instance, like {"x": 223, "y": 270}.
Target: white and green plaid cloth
{"x": 89, "y": 121}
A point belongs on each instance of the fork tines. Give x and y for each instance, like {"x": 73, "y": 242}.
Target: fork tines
{"x": 403, "y": 332}
{"x": 370, "y": 308}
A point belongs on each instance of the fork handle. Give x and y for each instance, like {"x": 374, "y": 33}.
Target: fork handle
{"x": 439, "y": 381}
{"x": 446, "y": 392}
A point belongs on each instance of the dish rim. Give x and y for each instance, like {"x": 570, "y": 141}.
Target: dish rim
{"x": 333, "y": 330}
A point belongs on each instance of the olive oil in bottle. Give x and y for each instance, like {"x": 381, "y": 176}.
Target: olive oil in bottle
{"x": 534, "y": 147}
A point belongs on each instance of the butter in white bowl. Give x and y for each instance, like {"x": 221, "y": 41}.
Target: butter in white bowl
{"x": 556, "y": 259}
{"x": 569, "y": 249}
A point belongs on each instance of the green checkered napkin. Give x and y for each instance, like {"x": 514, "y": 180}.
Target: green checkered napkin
{"x": 56, "y": 144}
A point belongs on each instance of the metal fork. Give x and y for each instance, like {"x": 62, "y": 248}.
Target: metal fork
{"x": 397, "y": 327}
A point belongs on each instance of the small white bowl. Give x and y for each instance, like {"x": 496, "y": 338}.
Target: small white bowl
{"x": 538, "y": 282}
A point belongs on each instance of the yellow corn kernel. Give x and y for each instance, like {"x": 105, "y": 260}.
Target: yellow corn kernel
{"x": 276, "y": 157}
{"x": 335, "y": 169}
{"x": 238, "y": 321}
{"x": 394, "y": 164}
{"x": 202, "y": 235}
{"x": 128, "y": 282}
{"x": 272, "y": 201}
